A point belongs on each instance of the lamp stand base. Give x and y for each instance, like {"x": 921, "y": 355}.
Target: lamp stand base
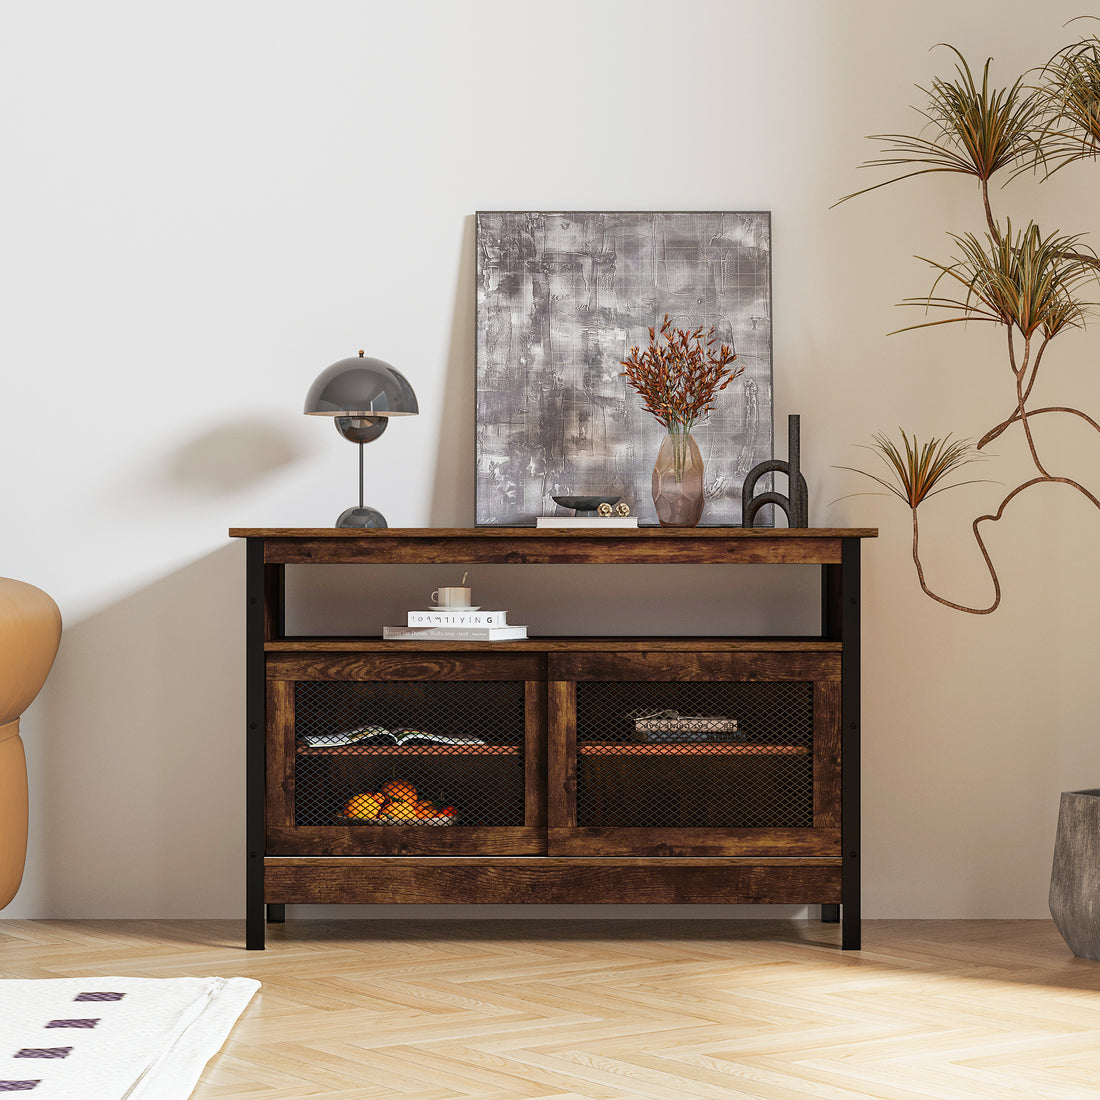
{"x": 361, "y": 517}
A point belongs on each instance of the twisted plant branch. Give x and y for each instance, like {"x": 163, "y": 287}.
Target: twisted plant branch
{"x": 949, "y": 603}
{"x": 990, "y": 518}
{"x": 1021, "y": 409}
{"x": 993, "y": 433}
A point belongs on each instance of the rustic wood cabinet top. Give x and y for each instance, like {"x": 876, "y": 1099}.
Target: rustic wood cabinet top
{"x": 562, "y": 545}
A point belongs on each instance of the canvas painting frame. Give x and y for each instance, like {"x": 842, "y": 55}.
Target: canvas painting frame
{"x": 561, "y": 298}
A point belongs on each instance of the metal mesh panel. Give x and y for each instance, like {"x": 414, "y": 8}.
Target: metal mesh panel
{"x": 409, "y": 753}
{"x": 695, "y": 755}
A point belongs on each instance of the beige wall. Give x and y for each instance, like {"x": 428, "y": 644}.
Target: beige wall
{"x": 209, "y": 203}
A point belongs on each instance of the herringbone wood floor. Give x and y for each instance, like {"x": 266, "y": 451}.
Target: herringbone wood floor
{"x": 519, "y": 1010}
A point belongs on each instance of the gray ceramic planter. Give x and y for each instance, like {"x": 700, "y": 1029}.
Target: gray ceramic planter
{"x": 1075, "y": 879}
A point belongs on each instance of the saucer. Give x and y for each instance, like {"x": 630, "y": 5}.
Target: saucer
{"x": 455, "y": 607}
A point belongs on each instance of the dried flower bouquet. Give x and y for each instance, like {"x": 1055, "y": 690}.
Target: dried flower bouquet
{"x": 679, "y": 375}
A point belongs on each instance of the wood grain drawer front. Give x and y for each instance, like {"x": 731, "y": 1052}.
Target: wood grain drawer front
{"x": 763, "y": 664}
{"x": 410, "y": 665}
{"x": 696, "y": 843}
{"x": 379, "y": 841}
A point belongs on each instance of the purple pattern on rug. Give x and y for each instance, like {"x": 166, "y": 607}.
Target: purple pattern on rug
{"x": 58, "y": 1052}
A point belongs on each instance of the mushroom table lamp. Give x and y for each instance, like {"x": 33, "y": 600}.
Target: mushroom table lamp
{"x": 361, "y": 394}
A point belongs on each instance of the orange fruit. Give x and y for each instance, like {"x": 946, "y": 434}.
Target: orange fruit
{"x": 363, "y": 805}
{"x": 400, "y": 790}
{"x": 403, "y": 811}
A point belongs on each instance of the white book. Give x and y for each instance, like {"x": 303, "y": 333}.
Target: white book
{"x": 458, "y": 618}
{"x": 586, "y": 521}
{"x": 453, "y": 633}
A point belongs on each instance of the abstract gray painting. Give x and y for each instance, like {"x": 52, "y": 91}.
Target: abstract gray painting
{"x": 561, "y": 298}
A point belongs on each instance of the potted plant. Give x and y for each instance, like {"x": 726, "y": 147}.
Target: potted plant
{"x": 1028, "y": 283}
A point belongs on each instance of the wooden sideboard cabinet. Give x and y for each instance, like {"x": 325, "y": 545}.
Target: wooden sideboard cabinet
{"x": 545, "y": 789}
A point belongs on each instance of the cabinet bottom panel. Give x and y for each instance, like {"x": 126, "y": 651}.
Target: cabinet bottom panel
{"x": 381, "y": 880}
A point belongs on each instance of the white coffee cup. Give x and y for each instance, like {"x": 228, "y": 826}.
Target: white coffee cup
{"x": 451, "y": 597}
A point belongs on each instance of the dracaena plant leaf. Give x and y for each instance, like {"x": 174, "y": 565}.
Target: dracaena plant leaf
{"x": 1028, "y": 281}
{"x": 915, "y": 471}
{"x": 1070, "y": 92}
{"x": 969, "y": 129}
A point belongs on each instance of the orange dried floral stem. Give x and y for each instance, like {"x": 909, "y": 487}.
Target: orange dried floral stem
{"x": 679, "y": 375}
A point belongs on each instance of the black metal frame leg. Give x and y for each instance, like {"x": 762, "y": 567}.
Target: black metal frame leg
{"x": 850, "y": 932}
{"x": 256, "y": 697}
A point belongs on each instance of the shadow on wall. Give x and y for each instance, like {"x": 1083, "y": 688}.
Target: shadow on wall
{"x": 453, "y": 492}
{"x": 136, "y": 758}
{"x": 233, "y": 456}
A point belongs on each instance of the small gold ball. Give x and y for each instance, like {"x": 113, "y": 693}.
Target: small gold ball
{"x": 623, "y": 508}
{"x": 604, "y": 509}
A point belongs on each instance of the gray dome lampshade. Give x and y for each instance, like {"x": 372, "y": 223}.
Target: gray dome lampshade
{"x": 361, "y": 387}
{"x": 361, "y": 394}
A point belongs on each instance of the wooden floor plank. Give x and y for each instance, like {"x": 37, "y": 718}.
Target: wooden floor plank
{"x": 616, "y": 1010}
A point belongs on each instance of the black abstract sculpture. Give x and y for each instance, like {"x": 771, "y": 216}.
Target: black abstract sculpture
{"x": 796, "y": 504}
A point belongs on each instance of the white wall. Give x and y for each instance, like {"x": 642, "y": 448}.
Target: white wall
{"x": 206, "y": 204}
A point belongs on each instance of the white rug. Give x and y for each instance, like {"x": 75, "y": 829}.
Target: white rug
{"x": 114, "y": 1038}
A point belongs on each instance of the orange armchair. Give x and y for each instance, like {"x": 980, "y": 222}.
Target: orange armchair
{"x": 30, "y": 630}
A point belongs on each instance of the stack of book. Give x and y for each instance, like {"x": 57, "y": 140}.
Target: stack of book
{"x": 442, "y": 624}
{"x": 586, "y": 521}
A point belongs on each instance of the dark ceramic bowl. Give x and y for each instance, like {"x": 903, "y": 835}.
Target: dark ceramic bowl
{"x": 585, "y": 504}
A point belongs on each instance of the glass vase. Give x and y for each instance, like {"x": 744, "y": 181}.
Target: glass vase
{"x": 678, "y": 481}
